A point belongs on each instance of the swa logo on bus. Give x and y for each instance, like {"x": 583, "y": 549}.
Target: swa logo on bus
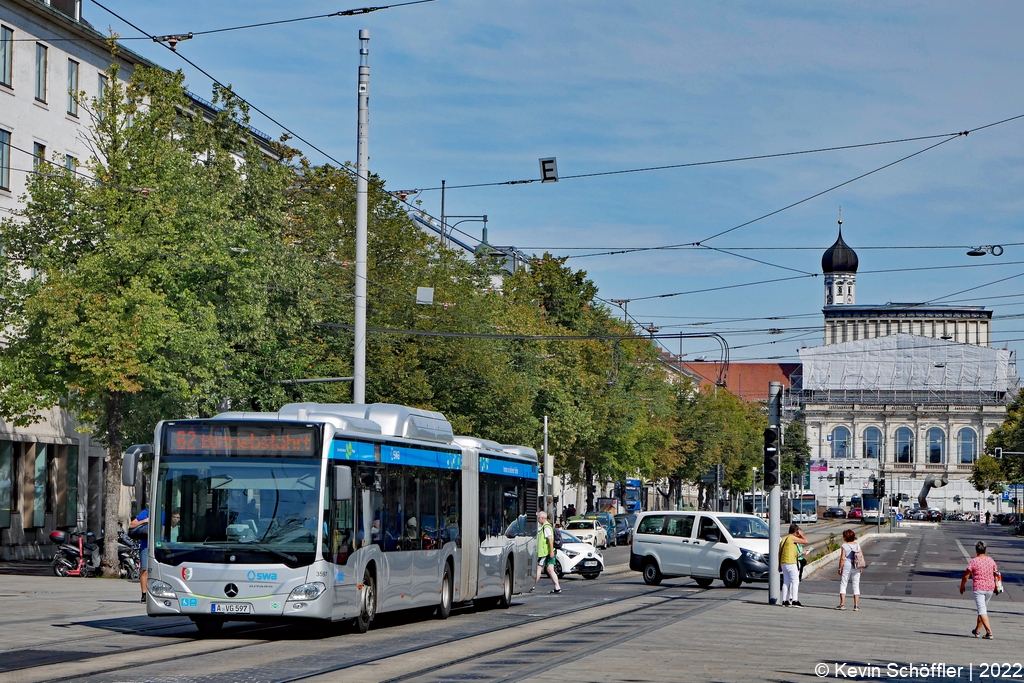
{"x": 261, "y": 576}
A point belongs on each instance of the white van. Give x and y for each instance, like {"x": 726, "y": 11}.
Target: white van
{"x": 729, "y": 546}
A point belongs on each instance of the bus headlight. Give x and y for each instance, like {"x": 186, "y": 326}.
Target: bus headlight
{"x": 307, "y": 591}
{"x": 159, "y": 589}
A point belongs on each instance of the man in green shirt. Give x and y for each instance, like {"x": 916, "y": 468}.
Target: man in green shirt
{"x": 545, "y": 552}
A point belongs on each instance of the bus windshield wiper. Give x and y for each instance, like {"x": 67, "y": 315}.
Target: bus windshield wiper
{"x": 269, "y": 549}
{"x": 187, "y": 551}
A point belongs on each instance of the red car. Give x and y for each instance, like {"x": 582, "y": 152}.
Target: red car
{"x": 855, "y": 513}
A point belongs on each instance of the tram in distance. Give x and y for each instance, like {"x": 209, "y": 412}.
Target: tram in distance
{"x": 333, "y": 512}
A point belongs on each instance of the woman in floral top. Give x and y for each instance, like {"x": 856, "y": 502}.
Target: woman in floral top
{"x": 983, "y": 572}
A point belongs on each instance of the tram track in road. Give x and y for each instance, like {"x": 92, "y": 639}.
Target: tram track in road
{"x": 346, "y": 653}
{"x": 503, "y": 649}
{"x": 137, "y": 653}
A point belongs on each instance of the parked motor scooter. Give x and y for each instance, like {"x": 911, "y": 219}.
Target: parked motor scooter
{"x": 77, "y": 554}
{"x": 128, "y": 553}
{"x": 80, "y": 554}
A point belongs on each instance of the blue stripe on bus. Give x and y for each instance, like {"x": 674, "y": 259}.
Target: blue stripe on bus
{"x": 351, "y": 450}
{"x": 507, "y": 468}
{"x": 420, "y": 457}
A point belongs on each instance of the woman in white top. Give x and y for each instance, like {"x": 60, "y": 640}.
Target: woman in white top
{"x": 848, "y": 568}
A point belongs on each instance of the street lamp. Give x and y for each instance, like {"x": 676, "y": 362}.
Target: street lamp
{"x": 445, "y": 226}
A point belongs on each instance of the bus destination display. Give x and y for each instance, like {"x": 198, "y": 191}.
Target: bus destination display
{"x": 240, "y": 440}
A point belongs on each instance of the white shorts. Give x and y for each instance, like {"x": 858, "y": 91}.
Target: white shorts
{"x": 981, "y": 599}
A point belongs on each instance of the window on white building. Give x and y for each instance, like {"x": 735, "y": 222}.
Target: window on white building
{"x": 41, "y": 59}
{"x": 936, "y": 445}
{"x": 38, "y": 155}
{"x": 904, "y": 445}
{"x": 840, "y": 442}
{"x": 70, "y": 163}
{"x": 73, "y": 87}
{"x": 872, "y": 442}
{"x": 5, "y": 160}
{"x": 6, "y": 56}
{"x": 967, "y": 445}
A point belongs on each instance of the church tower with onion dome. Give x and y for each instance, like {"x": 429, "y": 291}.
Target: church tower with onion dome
{"x": 839, "y": 265}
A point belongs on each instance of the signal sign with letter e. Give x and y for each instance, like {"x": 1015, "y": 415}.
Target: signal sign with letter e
{"x": 548, "y": 170}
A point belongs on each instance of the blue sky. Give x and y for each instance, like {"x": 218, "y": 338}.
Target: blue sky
{"x": 477, "y": 91}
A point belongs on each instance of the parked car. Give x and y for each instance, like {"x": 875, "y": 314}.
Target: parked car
{"x": 577, "y": 557}
{"x": 589, "y": 531}
{"x": 607, "y": 520}
{"x": 834, "y": 513}
{"x": 622, "y": 530}
{"x": 855, "y": 513}
{"x": 732, "y": 547}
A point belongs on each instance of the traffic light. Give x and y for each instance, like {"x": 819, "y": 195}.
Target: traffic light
{"x": 881, "y": 488}
{"x": 841, "y": 477}
{"x": 771, "y": 457}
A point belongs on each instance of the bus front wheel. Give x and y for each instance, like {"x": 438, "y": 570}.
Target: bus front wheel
{"x": 367, "y": 602}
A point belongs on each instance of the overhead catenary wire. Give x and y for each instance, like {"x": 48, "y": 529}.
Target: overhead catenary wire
{"x": 243, "y": 27}
{"x": 692, "y": 164}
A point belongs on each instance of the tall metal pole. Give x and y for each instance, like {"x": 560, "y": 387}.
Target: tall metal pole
{"x": 443, "y": 223}
{"x": 774, "y": 500}
{"x": 547, "y": 471}
{"x": 362, "y": 196}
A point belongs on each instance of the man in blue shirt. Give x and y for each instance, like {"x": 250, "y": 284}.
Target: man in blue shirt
{"x": 140, "y": 519}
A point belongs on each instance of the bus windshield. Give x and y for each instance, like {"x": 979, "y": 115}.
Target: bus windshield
{"x": 260, "y": 505}
{"x": 805, "y": 506}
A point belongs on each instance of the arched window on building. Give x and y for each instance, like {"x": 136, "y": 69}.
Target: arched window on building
{"x": 872, "y": 442}
{"x": 841, "y": 442}
{"x": 904, "y": 445}
{"x": 936, "y": 446}
{"x": 967, "y": 445}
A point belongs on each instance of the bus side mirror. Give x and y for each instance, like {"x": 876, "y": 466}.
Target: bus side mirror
{"x": 342, "y": 482}
{"x": 130, "y": 462}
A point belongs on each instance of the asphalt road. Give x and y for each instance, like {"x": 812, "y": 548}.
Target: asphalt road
{"x": 612, "y": 629}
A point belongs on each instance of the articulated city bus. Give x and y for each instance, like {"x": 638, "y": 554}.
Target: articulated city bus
{"x": 334, "y": 512}
{"x": 805, "y": 508}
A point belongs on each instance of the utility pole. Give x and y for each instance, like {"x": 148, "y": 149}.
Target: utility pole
{"x": 771, "y": 482}
{"x": 362, "y": 197}
{"x": 547, "y": 470}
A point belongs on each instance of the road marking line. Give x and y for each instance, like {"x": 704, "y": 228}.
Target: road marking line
{"x": 962, "y": 549}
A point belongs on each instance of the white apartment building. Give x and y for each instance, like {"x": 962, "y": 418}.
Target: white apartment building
{"x": 50, "y": 475}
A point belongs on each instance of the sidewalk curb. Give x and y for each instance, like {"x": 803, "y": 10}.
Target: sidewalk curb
{"x": 813, "y": 567}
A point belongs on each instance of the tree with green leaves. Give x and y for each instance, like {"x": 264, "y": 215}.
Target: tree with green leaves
{"x": 988, "y": 475}
{"x": 117, "y": 284}
{"x": 795, "y": 453}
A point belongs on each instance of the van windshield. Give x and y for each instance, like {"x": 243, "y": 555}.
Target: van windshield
{"x": 744, "y": 527}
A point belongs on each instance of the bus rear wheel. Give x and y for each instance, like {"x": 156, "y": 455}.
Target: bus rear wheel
{"x": 367, "y": 602}
{"x": 447, "y": 591}
{"x": 505, "y": 601}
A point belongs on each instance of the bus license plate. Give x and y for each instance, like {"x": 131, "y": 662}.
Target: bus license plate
{"x": 590, "y": 563}
{"x": 230, "y": 608}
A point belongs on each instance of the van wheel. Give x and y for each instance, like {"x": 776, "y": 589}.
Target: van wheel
{"x": 704, "y": 583}
{"x": 652, "y": 575}
{"x": 447, "y": 591}
{"x": 367, "y": 602}
{"x": 505, "y": 601}
{"x": 731, "y": 576}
